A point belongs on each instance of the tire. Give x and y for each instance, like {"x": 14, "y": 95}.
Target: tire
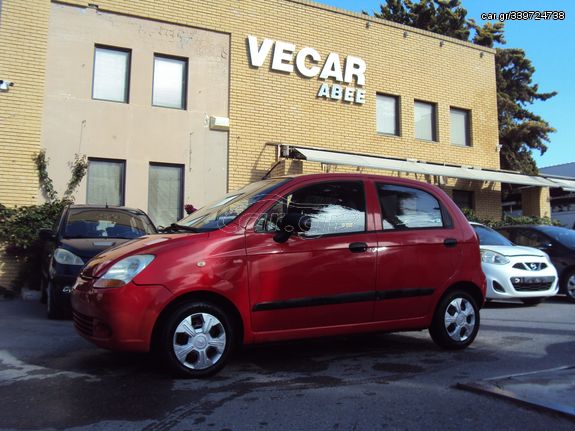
{"x": 53, "y": 307}
{"x": 456, "y": 321}
{"x": 196, "y": 340}
{"x": 568, "y": 285}
{"x": 43, "y": 293}
{"x": 532, "y": 301}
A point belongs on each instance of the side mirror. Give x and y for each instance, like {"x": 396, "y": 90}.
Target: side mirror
{"x": 290, "y": 224}
{"x": 46, "y": 235}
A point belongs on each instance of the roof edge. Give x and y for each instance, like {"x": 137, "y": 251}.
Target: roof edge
{"x": 372, "y": 19}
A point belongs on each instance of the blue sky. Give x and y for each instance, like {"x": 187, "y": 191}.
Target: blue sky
{"x": 550, "y": 45}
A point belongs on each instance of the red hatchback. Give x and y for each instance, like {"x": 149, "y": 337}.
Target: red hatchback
{"x": 288, "y": 258}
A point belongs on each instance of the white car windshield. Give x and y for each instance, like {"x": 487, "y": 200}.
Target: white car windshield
{"x": 488, "y": 236}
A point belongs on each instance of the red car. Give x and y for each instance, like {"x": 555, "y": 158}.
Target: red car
{"x": 288, "y": 258}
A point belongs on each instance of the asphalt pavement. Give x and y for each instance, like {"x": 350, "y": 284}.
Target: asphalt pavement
{"x": 52, "y": 379}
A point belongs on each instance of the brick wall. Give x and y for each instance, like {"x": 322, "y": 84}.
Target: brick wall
{"x": 23, "y": 38}
{"x": 270, "y": 106}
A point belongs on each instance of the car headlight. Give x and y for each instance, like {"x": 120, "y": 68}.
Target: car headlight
{"x": 488, "y": 256}
{"x": 123, "y": 271}
{"x": 66, "y": 257}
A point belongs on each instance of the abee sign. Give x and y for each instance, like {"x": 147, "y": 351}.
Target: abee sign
{"x": 309, "y": 63}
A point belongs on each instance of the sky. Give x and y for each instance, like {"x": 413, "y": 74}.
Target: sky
{"x": 550, "y": 45}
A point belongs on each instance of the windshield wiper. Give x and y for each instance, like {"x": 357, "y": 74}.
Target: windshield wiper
{"x": 175, "y": 226}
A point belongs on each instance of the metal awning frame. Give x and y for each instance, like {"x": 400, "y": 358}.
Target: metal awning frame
{"x": 337, "y": 158}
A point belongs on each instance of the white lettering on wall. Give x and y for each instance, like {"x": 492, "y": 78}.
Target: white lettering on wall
{"x": 300, "y": 62}
{"x": 283, "y": 56}
{"x": 307, "y": 63}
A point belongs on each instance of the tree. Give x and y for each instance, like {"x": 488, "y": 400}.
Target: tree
{"x": 520, "y": 131}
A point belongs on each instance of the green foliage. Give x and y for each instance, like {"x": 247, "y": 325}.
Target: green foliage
{"x": 19, "y": 226}
{"x": 509, "y": 220}
{"x": 445, "y": 17}
{"x": 520, "y": 131}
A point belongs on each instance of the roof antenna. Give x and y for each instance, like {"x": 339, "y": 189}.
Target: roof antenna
{"x": 106, "y": 204}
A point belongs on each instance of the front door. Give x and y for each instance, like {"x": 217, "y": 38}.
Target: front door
{"x": 322, "y": 277}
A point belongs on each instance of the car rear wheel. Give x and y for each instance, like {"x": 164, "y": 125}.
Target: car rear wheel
{"x": 197, "y": 339}
{"x": 456, "y": 321}
{"x": 569, "y": 285}
{"x": 43, "y": 293}
{"x": 531, "y": 301}
{"x": 53, "y": 307}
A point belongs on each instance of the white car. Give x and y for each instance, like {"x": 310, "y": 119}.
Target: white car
{"x": 514, "y": 271}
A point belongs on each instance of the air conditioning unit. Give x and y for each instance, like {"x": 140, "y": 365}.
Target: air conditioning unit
{"x": 219, "y": 123}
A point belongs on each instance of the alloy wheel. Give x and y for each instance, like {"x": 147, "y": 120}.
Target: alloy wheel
{"x": 199, "y": 341}
{"x": 459, "y": 319}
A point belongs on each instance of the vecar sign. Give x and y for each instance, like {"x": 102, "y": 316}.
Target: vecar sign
{"x": 309, "y": 63}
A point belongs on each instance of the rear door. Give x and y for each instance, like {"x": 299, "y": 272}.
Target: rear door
{"x": 319, "y": 278}
{"x": 418, "y": 251}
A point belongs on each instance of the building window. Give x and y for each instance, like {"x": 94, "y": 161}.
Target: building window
{"x": 165, "y": 193}
{"x": 463, "y": 199}
{"x": 111, "y": 80}
{"x": 106, "y": 182}
{"x": 425, "y": 121}
{"x": 170, "y": 82}
{"x": 387, "y": 112}
{"x": 460, "y": 127}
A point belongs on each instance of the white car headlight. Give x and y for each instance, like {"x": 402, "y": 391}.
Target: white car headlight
{"x": 66, "y": 257}
{"x": 488, "y": 256}
{"x": 123, "y": 271}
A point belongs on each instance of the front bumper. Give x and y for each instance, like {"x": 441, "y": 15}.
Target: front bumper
{"x": 120, "y": 318}
{"x": 505, "y": 282}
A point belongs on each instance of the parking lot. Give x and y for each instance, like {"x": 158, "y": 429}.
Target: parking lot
{"x": 50, "y": 378}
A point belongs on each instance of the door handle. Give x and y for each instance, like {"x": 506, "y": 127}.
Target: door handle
{"x": 358, "y": 247}
{"x": 450, "y": 242}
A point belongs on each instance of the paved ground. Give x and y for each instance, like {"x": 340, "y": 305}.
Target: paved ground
{"x": 52, "y": 379}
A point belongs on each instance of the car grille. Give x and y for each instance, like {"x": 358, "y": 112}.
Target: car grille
{"x": 530, "y": 266}
{"x": 84, "y": 324}
{"x": 532, "y": 284}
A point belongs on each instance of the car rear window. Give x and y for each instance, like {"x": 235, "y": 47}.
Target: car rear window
{"x": 106, "y": 223}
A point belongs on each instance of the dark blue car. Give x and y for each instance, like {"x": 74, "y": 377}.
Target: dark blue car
{"x": 82, "y": 232}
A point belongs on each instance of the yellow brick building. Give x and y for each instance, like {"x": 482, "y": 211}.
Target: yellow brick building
{"x": 237, "y": 98}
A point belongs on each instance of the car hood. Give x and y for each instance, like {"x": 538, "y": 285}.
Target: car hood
{"x": 516, "y": 250}
{"x": 87, "y": 248}
{"x": 150, "y": 244}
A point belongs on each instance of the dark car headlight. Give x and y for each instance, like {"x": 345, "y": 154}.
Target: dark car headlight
{"x": 65, "y": 257}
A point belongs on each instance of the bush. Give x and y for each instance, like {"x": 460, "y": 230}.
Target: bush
{"x": 510, "y": 220}
{"x": 19, "y": 226}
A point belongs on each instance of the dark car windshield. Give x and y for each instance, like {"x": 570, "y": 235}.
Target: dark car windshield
{"x": 560, "y": 234}
{"x": 106, "y": 223}
{"x": 488, "y": 236}
{"x": 226, "y": 209}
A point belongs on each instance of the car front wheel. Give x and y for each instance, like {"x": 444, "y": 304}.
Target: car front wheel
{"x": 197, "y": 339}
{"x": 569, "y": 285}
{"x": 456, "y": 321}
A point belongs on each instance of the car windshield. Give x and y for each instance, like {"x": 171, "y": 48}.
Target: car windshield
{"x": 488, "y": 236}
{"x": 225, "y": 210}
{"x": 106, "y": 223}
{"x": 560, "y": 234}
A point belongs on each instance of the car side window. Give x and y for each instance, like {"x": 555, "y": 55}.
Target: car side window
{"x": 408, "y": 208}
{"x": 531, "y": 238}
{"x": 330, "y": 208}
